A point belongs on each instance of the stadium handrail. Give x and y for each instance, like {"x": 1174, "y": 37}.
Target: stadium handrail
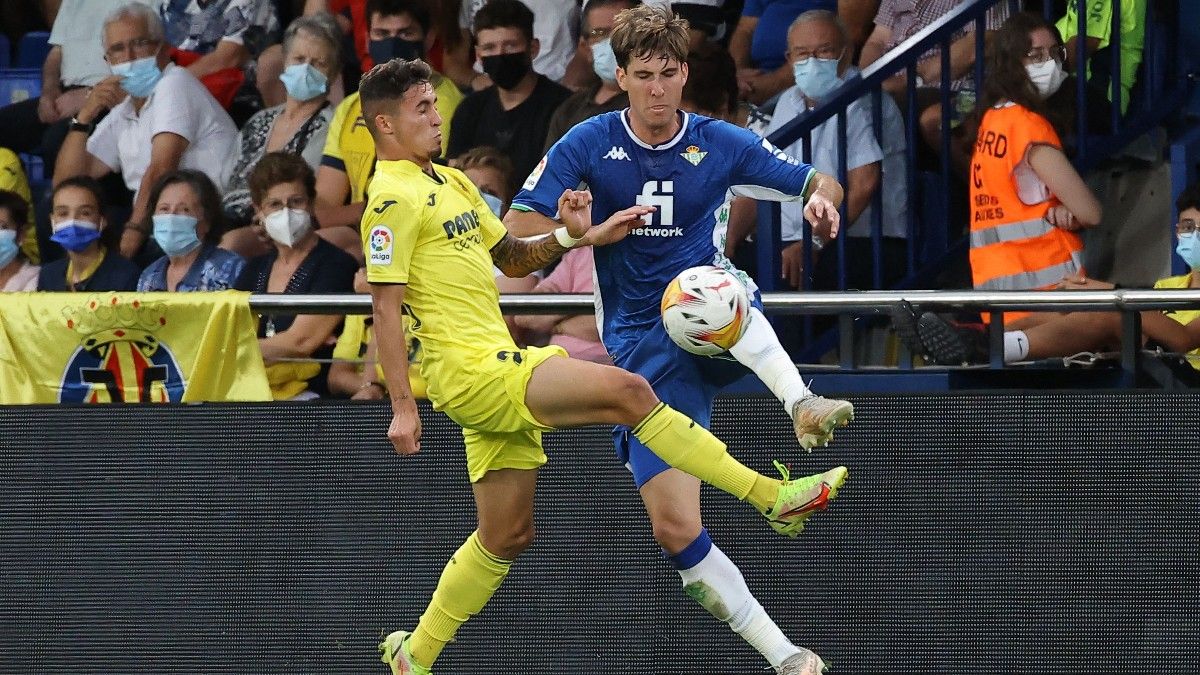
{"x": 830, "y": 302}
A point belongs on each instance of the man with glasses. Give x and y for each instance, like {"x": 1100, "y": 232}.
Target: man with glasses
{"x": 161, "y": 119}
{"x": 602, "y": 95}
{"x": 1176, "y": 332}
{"x": 819, "y": 52}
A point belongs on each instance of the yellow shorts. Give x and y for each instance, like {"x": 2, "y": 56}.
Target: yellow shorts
{"x": 499, "y": 430}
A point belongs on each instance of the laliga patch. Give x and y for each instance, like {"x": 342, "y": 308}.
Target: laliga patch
{"x": 380, "y": 244}
{"x": 535, "y": 175}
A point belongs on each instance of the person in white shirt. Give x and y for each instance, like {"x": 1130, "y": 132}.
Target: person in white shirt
{"x": 820, "y": 53}
{"x": 161, "y": 119}
{"x": 74, "y": 63}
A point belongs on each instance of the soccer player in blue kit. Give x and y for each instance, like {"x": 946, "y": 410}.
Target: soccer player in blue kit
{"x": 683, "y": 164}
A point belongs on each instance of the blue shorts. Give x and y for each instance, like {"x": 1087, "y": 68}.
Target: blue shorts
{"x": 682, "y": 380}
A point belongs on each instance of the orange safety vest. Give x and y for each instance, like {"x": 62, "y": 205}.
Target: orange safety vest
{"x": 1012, "y": 246}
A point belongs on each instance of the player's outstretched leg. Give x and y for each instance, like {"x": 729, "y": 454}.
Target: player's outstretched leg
{"x": 615, "y": 396}
{"x": 672, "y": 500}
{"x": 504, "y": 502}
{"x": 813, "y": 417}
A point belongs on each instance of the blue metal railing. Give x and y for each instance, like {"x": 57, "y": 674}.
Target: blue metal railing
{"x": 929, "y": 244}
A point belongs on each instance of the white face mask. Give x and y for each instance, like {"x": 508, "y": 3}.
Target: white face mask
{"x": 1047, "y": 77}
{"x": 287, "y": 226}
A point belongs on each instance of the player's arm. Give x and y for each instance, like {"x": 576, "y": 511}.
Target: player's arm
{"x": 387, "y": 300}
{"x": 522, "y": 223}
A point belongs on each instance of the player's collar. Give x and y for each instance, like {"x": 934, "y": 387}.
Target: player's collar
{"x": 661, "y": 146}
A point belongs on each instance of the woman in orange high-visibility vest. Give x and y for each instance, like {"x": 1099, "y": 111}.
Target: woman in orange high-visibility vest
{"x": 1027, "y": 201}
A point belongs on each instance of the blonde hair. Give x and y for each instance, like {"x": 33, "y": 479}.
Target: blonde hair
{"x": 647, "y": 31}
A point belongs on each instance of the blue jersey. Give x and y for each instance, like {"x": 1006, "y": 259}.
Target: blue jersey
{"x": 688, "y": 179}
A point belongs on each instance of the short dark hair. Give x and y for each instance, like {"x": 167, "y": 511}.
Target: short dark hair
{"x": 1189, "y": 198}
{"x": 16, "y": 206}
{"x": 486, "y": 157}
{"x": 418, "y": 10}
{"x": 280, "y": 167}
{"x": 505, "y": 14}
{"x": 645, "y": 31}
{"x": 388, "y": 82}
{"x": 598, "y": 4}
{"x": 712, "y": 79}
{"x": 206, "y": 192}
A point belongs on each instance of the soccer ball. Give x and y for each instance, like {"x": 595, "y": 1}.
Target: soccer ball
{"x": 705, "y": 310}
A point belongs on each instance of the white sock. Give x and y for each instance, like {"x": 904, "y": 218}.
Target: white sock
{"x": 717, "y": 584}
{"x": 1016, "y": 345}
{"x": 760, "y": 351}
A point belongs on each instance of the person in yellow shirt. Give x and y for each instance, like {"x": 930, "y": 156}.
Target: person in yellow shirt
{"x": 356, "y": 371}
{"x": 396, "y": 29}
{"x": 12, "y": 178}
{"x": 430, "y": 242}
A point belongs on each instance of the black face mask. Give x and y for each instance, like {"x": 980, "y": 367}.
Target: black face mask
{"x": 385, "y": 50}
{"x": 506, "y": 70}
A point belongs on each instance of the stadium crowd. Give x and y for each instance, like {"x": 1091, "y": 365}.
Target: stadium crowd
{"x": 190, "y": 146}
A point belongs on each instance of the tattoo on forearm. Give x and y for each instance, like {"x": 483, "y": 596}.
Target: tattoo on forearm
{"x": 518, "y": 258}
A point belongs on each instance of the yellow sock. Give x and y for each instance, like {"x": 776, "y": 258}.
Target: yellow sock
{"x": 689, "y": 447}
{"x": 467, "y": 583}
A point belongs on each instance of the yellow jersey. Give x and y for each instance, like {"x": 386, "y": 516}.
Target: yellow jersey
{"x": 435, "y": 234}
{"x": 357, "y": 335}
{"x": 1183, "y": 316}
{"x": 12, "y": 178}
{"x": 349, "y": 147}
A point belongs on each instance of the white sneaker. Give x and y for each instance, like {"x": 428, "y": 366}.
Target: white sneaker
{"x": 804, "y": 663}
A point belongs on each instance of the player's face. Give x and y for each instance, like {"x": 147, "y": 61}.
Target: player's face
{"x": 417, "y": 123}
{"x": 655, "y": 86}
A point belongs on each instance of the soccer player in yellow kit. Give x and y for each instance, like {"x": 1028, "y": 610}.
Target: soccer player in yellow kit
{"x": 430, "y": 244}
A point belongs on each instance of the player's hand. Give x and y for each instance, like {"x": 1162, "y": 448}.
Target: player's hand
{"x": 1062, "y": 218}
{"x": 793, "y": 263}
{"x": 823, "y": 216}
{"x": 405, "y": 430}
{"x": 575, "y": 211}
{"x": 617, "y": 226}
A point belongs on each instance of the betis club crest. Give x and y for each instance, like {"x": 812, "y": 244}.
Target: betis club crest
{"x": 120, "y": 358}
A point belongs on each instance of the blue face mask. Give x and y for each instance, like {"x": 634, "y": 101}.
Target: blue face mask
{"x": 138, "y": 77}
{"x": 303, "y": 82}
{"x": 1188, "y": 250}
{"x": 175, "y": 233}
{"x": 604, "y": 61}
{"x": 816, "y": 77}
{"x": 494, "y": 203}
{"x": 8, "y": 246}
{"x": 75, "y": 235}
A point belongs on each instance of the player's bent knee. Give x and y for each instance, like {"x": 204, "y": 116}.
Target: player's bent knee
{"x": 675, "y": 534}
{"x": 511, "y": 542}
{"x": 634, "y": 397}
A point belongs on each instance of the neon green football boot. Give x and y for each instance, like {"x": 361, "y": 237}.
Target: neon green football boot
{"x": 396, "y": 654}
{"x": 800, "y": 498}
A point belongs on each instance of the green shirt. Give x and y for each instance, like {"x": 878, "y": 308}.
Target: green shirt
{"x": 1099, "y": 26}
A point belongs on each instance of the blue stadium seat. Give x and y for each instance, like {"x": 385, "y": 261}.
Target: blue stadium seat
{"x": 32, "y": 49}
{"x": 19, "y": 84}
{"x": 34, "y": 169}
{"x": 5, "y": 51}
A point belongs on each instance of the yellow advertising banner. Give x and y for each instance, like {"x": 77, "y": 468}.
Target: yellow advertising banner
{"x": 129, "y": 347}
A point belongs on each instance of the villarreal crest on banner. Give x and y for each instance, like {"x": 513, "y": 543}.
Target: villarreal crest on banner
{"x": 129, "y": 348}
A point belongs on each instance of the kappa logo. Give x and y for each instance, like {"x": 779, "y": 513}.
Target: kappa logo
{"x": 617, "y": 152}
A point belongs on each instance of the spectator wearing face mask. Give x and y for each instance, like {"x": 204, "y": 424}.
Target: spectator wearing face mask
{"x": 602, "y": 95}
{"x": 77, "y": 219}
{"x": 397, "y": 30}
{"x": 514, "y": 114}
{"x": 161, "y": 119}
{"x": 187, "y": 224}
{"x": 16, "y": 272}
{"x": 283, "y": 191}
{"x": 1027, "y": 201}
